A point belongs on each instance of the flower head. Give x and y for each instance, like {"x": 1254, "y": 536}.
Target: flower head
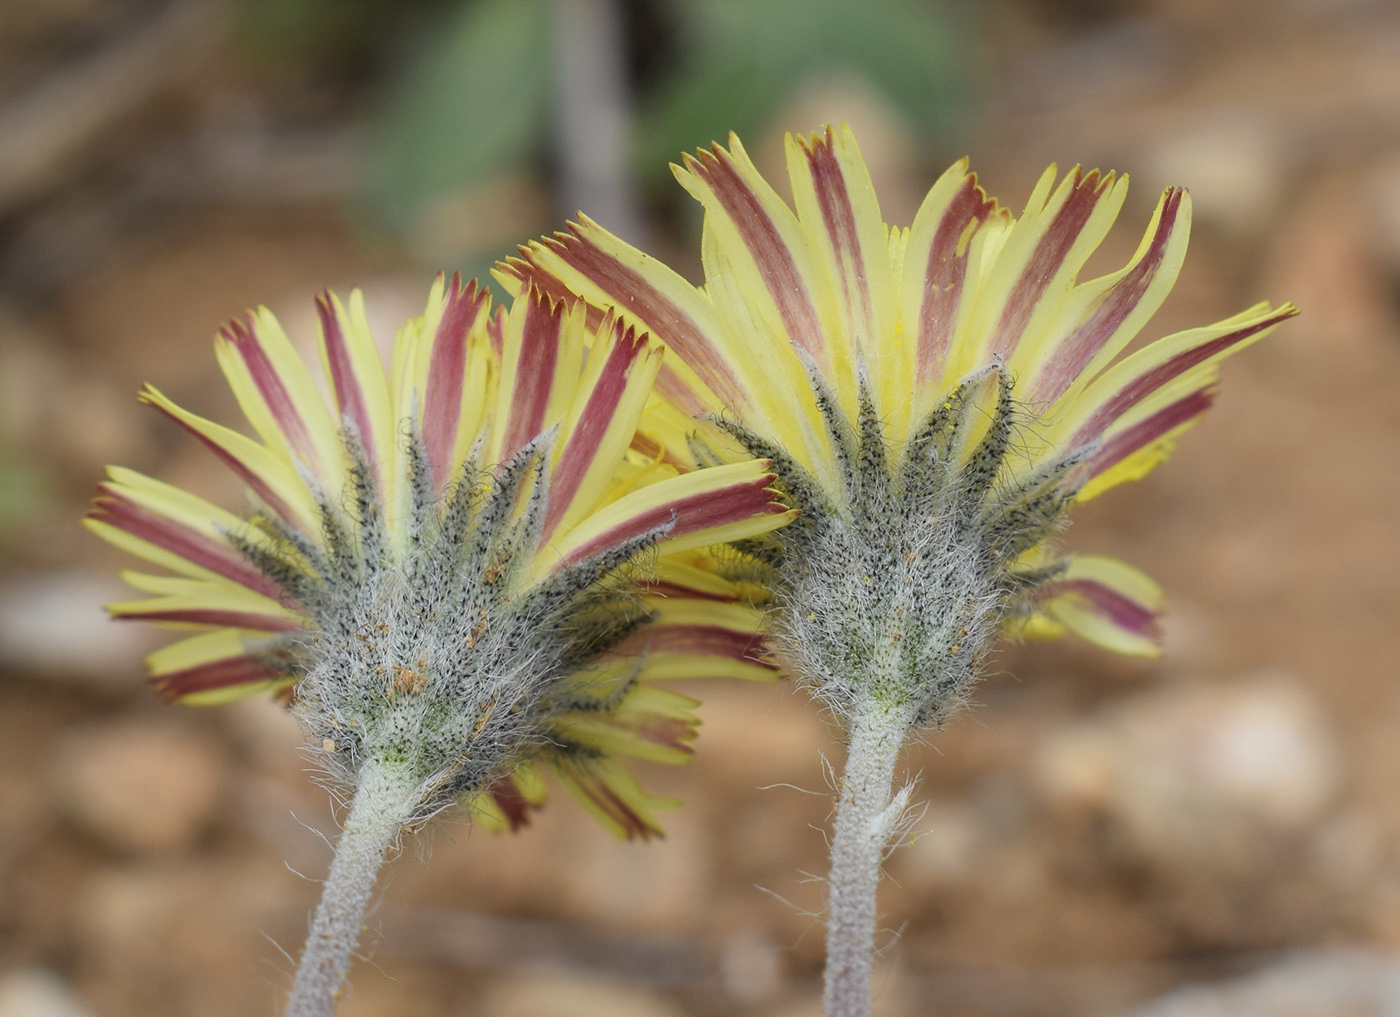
{"x": 934, "y": 398}
{"x": 457, "y": 568}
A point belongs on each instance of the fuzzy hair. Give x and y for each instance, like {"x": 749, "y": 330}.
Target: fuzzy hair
{"x": 433, "y": 659}
{"x": 895, "y": 596}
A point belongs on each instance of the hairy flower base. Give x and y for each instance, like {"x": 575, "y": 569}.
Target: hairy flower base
{"x": 434, "y": 660}
{"x": 893, "y": 597}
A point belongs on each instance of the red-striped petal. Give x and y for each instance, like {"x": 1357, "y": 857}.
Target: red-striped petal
{"x": 218, "y": 674}
{"x": 195, "y": 547}
{"x": 245, "y": 473}
{"x": 274, "y": 392}
{"x": 639, "y": 301}
{"x": 771, "y": 254}
{"x": 512, "y": 803}
{"x": 1119, "y": 446}
{"x": 582, "y": 780}
{"x": 537, "y": 376}
{"x": 1073, "y": 354}
{"x": 350, "y": 398}
{"x": 1044, "y": 264}
{"x": 838, "y": 222}
{"x": 704, "y": 510}
{"x": 1149, "y": 381}
{"x": 231, "y": 619}
{"x": 577, "y": 456}
{"x": 944, "y": 274}
{"x": 697, "y": 640}
{"x": 1110, "y": 604}
{"x": 447, "y": 368}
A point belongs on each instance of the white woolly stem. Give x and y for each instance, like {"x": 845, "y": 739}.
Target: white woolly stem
{"x": 383, "y": 803}
{"x": 865, "y": 820}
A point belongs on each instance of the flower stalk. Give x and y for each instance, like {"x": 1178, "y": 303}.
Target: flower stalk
{"x": 866, "y": 819}
{"x": 385, "y": 800}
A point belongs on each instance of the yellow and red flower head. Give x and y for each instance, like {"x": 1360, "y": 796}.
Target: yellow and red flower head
{"x": 901, "y": 378}
{"x": 458, "y": 564}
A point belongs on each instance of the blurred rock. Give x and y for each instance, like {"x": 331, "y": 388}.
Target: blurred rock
{"x": 96, "y": 422}
{"x": 1349, "y": 849}
{"x": 664, "y": 884}
{"x": 55, "y": 125}
{"x": 1385, "y": 208}
{"x": 31, "y": 370}
{"x": 392, "y": 992}
{"x": 1335, "y": 258}
{"x": 759, "y": 834}
{"x": 943, "y": 848}
{"x": 473, "y": 941}
{"x": 1190, "y": 635}
{"x": 127, "y": 912}
{"x": 480, "y": 219}
{"x": 1332, "y": 983}
{"x": 26, "y": 808}
{"x": 535, "y": 993}
{"x": 1232, "y": 161}
{"x": 756, "y": 735}
{"x": 191, "y": 935}
{"x": 267, "y": 731}
{"x": 804, "y": 1008}
{"x": 52, "y": 623}
{"x": 139, "y": 786}
{"x": 1199, "y": 775}
{"x": 751, "y": 966}
{"x": 31, "y": 992}
{"x": 295, "y": 822}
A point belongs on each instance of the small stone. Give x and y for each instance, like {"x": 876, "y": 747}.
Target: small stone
{"x": 53, "y": 624}
{"x": 942, "y": 850}
{"x": 139, "y": 786}
{"x": 268, "y": 732}
{"x": 810, "y": 1007}
{"x": 1384, "y": 220}
{"x": 534, "y": 993}
{"x": 1322, "y": 983}
{"x": 1231, "y": 158}
{"x": 32, "y": 992}
{"x": 1349, "y": 850}
{"x": 751, "y": 966}
{"x": 665, "y": 884}
{"x": 758, "y": 734}
{"x": 1200, "y": 773}
{"x": 193, "y": 930}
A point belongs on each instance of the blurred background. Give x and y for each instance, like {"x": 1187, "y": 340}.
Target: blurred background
{"x": 1215, "y": 833}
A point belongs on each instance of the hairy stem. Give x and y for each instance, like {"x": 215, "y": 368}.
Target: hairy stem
{"x": 865, "y": 820}
{"x": 383, "y": 803}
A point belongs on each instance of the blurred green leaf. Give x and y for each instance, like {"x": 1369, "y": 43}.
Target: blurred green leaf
{"x": 23, "y": 494}
{"x": 322, "y": 33}
{"x": 745, "y": 57}
{"x": 689, "y": 111}
{"x": 474, "y": 105}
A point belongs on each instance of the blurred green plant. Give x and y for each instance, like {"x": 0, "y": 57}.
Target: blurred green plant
{"x": 472, "y": 103}
{"x": 24, "y": 491}
{"x": 354, "y": 38}
{"x": 741, "y": 59}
